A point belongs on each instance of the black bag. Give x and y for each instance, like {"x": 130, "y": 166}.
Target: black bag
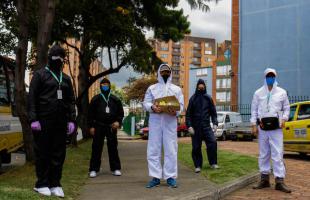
{"x": 269, "y": 123}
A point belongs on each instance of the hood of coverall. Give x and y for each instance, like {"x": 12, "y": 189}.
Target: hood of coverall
{"x": 267, "y": 71}
{"x": 200, "y": 81}
{"x": 160, "y": 78}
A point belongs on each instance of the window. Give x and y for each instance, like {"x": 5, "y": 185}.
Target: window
{"x": 196, "y": 59}
{"x": 227, "y": 119}
{"x": 164, "y": 56}
{"x": 304, "y": 112}
{"x": 208, "y": 52}
{"x": 207, "y": 45}
{"x": 202, "y": 72}
{"x": 196, "y": 44}
{"x": 223, "y": 96}
{"x": 163, "y": 48}
{"x": 208, "y": 59}
{"x": 292, "y": 113}
{"x": 223, "y": 83}
{"x": 223, "y": 70}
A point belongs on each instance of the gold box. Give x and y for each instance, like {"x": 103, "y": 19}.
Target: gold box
{"x": 166, "y": 103}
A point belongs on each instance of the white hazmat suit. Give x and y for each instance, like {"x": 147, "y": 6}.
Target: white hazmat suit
{"x": 272, "y": 103}
{"x": 162, "y": 130}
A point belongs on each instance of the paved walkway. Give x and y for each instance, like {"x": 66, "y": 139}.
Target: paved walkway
{"x": 131, "y": 185}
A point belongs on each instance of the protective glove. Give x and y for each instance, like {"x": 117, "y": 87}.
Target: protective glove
{"x": 71, "y": 128}
{"x": 36, "y": 126}
{"x": 191, "y": 131}
{"x": 214, "y": 128}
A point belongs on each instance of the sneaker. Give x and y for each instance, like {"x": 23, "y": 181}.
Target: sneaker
{"x": 117, "y": 173}
{"x": 215, "y": 166}
{"x": 43, "y": 190}
{"x": 92, "y": 174}
{"x": 153, "y": 183}
{"x": 172, "y": 182}
{"x": 58, "y": 192}
{"x": 197, "y": 170}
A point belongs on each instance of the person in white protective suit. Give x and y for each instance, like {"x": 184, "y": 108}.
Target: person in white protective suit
{"x": 269, "y": 112}
{"x": 162, "y": 130}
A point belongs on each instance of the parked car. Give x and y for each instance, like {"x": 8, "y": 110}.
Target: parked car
{"x": 226, "y": 121}
{"x": 297, "y": 129}
{"x": 181, "y": 130}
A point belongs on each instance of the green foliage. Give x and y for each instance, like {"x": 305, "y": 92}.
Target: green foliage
{"x": 232, "y": 165}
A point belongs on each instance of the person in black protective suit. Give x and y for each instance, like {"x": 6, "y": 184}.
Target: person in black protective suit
{"x": 52, "y": 116}
{"x": 105, "y": 116}
{"x": 200, "y": 109}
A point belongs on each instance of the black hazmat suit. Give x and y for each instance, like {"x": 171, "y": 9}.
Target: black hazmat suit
{"x": 200, "y": 109}
{"x": 99, "y": 119}
{"x": 53, "y": 115}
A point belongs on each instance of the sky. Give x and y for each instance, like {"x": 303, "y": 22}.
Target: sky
{"x": 213, "y": 24}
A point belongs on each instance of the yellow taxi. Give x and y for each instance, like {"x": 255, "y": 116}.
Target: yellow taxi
{"x": 297, "y": 129}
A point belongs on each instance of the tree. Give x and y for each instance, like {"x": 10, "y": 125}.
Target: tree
{"x": 138, "y": 88}
{"x": 200, "y": 4}
{"x": 117, "y": 26}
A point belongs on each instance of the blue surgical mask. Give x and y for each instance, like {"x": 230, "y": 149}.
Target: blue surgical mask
{"x": 105, "y": 88}
{"x": 270, "y": 81}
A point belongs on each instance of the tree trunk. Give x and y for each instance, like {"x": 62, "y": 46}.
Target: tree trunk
{"x": 45, "y": 24}
{"x": 83, "y": 102}
{"x": 21, "y": 57}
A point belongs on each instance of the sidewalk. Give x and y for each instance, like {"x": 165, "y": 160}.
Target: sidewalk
{"x": 131, "y": 185}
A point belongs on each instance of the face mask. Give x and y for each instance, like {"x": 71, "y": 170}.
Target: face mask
{"x": 270, "y": 81}
{"x": 165, "y": 77}
{"x": 56, "y": 64}
{"x": 105, "y": 88}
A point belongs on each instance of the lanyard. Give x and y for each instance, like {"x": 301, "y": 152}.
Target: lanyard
{"x": 268, "y": 100}
{"x": 106, "y": 100}
{"x": 54, "y": 75}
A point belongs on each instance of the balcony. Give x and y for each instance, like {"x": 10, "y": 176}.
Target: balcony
{"x": 176, "y": 53}
{"x": 196, "y": 63}
{"x": 197, "y": 55}
{"x": 197, "y": 47}
{"x": 176, "y": 46}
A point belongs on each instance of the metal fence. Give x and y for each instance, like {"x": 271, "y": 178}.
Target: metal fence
{"x": 245, "y": 109}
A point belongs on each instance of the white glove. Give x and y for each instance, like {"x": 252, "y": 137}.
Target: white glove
{"x": 214, "y": 128}
{"x": 191, "y": 131}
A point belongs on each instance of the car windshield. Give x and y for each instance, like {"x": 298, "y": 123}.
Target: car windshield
{"x": 220, "y": 117}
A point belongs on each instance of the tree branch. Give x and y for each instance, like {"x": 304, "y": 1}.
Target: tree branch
{"x": 72, "y": 46}
{"x": 110, "y": 58}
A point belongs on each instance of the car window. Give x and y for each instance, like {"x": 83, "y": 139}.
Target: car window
{"x": 304, "y": 112}
{"x": 227, "y": 119}
{"x": 220, "y": 117}
{"x": 292, "y": 113}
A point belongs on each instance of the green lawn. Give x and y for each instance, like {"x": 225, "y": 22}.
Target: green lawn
{"x": 232, "y": 165}
{"x": 18, "y": 182}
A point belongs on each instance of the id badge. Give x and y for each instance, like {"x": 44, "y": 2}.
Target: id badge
{"x": 107, "y": 109}
{"x": 59, "y": 94}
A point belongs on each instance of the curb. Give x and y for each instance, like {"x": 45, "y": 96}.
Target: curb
{"x": 221, "y": 191}
{"x": 128, "y": 138}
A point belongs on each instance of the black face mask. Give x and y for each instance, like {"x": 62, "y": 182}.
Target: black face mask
{"x": 55, "y": 64}
{"x": 201, "y": 91}
{"x": 165, "y": 77}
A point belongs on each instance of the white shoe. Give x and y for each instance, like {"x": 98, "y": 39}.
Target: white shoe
{"x": 197, "y": 170}
{"x": 92, "y": 174}
{"x": 58, "y": 192}
{"x": 117, "y": 173}
{"x": 215, "y": 166}
{"x": 43, "y": 190}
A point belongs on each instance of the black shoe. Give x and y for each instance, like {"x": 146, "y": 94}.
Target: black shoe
{"x": 264, "y": 182}
{"x": 281, "y": 186}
